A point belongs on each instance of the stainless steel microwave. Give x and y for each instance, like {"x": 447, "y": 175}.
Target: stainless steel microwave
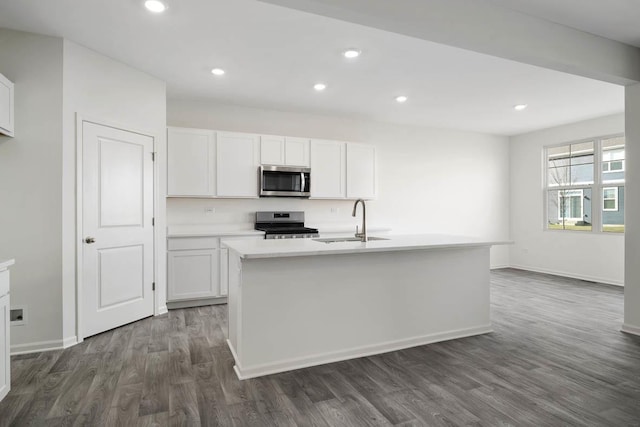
{"x": 284, "y": 181}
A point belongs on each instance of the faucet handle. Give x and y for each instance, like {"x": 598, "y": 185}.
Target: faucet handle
{"x": 357, "y": 231}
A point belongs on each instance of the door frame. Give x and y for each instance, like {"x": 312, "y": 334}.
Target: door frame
{"x": 80, "y": 120}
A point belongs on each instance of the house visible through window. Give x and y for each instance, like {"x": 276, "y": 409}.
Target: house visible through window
{"x": 582, "y": 176}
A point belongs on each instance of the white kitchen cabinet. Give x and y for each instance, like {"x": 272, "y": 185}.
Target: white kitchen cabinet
{"x": 361, "y": 171}
{"x": 328, "y": 169}
{"x": 6, "y": 106}
{"x": 191, "y": 163}
{"x": 238, "y": 158}
{"x": 5, "y": 341}
{"x": 284, "y": 151}
{"x": 296, "y": 151}
{"x": 272, "y": 150}
{"x": 193, "y": 268}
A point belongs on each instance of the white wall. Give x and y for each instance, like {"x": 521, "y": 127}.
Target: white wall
{"x": 430, "y": 180}
{"x": 591, "y": 256}
{"x": 30, "y": 191}
{"x": 632, "y": 205}
{"x": 102, "y": 89}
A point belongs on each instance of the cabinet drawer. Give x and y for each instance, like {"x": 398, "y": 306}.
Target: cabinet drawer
{"x": 188, "y": 243}
{"x": 4, "y": 283}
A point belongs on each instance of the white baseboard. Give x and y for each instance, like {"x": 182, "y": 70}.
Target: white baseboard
{"x": 629, "y": 329}
{"x": 567, "y": 274}
{"x": 196, "y": 303}
{"x": 499, "y": 266}
{"x": 162, "y": 310}
{"x": 352, "y": 353}
{"x": 69, "y": 341}
{"x": 36, "y": 347}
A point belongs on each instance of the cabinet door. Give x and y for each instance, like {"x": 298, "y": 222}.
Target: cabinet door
{"x": 190, "y": 162}
{"x": 193, "y": 274}
{"x": 6, "y": 106}
{"x": 237, "y": 164}
{"x": 272, "y": 150}
{"x": 361, "y": 171}
{"x": 296, "y": 151}
{"x": 328, "y": 169}
{"x": 224, "y": 272}
{"x": 5, "y": 369}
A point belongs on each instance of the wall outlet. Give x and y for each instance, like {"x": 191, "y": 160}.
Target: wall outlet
{"x": 18, "y": 316}
{"x": 335, "y": 210}
{"x": 209, "y": 211}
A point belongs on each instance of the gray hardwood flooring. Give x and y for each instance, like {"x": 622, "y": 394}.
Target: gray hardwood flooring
{"x": 556, "y": 358}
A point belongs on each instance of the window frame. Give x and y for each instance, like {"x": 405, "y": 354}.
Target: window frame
{"x": 597, "y": 187}
{"x": 561, "y": 205}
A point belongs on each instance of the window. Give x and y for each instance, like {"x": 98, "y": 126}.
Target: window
{"x": 610, "y": 199}
{"x": 570, "y": 205}
{"x": 582, "y": 176}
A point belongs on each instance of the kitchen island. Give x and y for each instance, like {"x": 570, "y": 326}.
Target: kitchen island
{"x": 299, "y": 303}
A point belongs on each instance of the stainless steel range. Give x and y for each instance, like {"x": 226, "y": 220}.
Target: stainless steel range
{"x": 283, "y": 225}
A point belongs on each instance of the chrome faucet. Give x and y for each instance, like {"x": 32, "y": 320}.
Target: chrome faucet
{"x": 363, "y": 235}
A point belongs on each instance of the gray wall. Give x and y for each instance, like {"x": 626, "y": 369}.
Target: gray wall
{"x": 30, "y": 184}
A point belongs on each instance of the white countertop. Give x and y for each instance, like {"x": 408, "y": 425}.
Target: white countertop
{"x": 251, "y": 249}
{"x": 203, "y": 230}
{"x": 6, "y": 263}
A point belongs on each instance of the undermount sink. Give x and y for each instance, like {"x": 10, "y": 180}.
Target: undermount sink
{"x": 346, "y": 239}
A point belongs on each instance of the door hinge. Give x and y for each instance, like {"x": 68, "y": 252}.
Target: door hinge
{"x": 153, "y": 156}
{"x": 153, "y": 222}
{"x": 153, "y": 286}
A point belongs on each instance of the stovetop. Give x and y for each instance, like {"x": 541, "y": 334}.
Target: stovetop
{"x": 283, "y": 225}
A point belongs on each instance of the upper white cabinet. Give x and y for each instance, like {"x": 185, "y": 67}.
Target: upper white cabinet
{"x": 191, "y": 162}
{"x": 238, "y": 158}
{"x": 272, "y": 150}
{"x": 284, "y": 150}
{"x": 296, "y": 151}
{"x": 361, "y": 171}
{"x": 6, "y": 106}
{"x": 208, "y": 163}
{"x": 328, "y": 169}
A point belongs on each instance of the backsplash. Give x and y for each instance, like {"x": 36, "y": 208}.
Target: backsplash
{"x": 242, "y": 211}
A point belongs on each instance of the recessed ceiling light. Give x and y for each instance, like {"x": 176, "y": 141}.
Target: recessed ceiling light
{"x": 351, "y": 53}
{"x": 155, "y": 6}
{"x": 520, "y": 107}
{"x": 319, "y": 87}
{"x": 217, "y": 72}
{"x": 401, "y": 99}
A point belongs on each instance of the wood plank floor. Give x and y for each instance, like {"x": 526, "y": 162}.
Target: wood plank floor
{"x": 556, "y": 358}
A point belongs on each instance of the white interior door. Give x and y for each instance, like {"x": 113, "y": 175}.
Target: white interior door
{"x": 117, "y": 240}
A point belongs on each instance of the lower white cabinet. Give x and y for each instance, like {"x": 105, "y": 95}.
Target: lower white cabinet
{"x": 198, "y": 268}
{"x": 193, "y": 274}
{"x": 5, "y": 342}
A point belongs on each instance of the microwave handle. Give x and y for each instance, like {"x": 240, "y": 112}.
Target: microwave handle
{"x": 304, "y": 183}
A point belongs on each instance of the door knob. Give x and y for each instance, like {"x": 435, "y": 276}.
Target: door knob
{"x": 89, "y": 240}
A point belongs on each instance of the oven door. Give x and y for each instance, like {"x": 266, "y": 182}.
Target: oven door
{"x": 281, "y": 181}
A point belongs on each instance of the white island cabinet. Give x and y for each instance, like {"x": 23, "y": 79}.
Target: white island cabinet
{"x": 6, "y": 106}
{"x": 299, "y": 303}
{"x": 5, "y": 341}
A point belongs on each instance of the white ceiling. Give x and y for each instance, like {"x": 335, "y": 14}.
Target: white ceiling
{"x": 614, "y": 19}
{"x": 274, "y": 55}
